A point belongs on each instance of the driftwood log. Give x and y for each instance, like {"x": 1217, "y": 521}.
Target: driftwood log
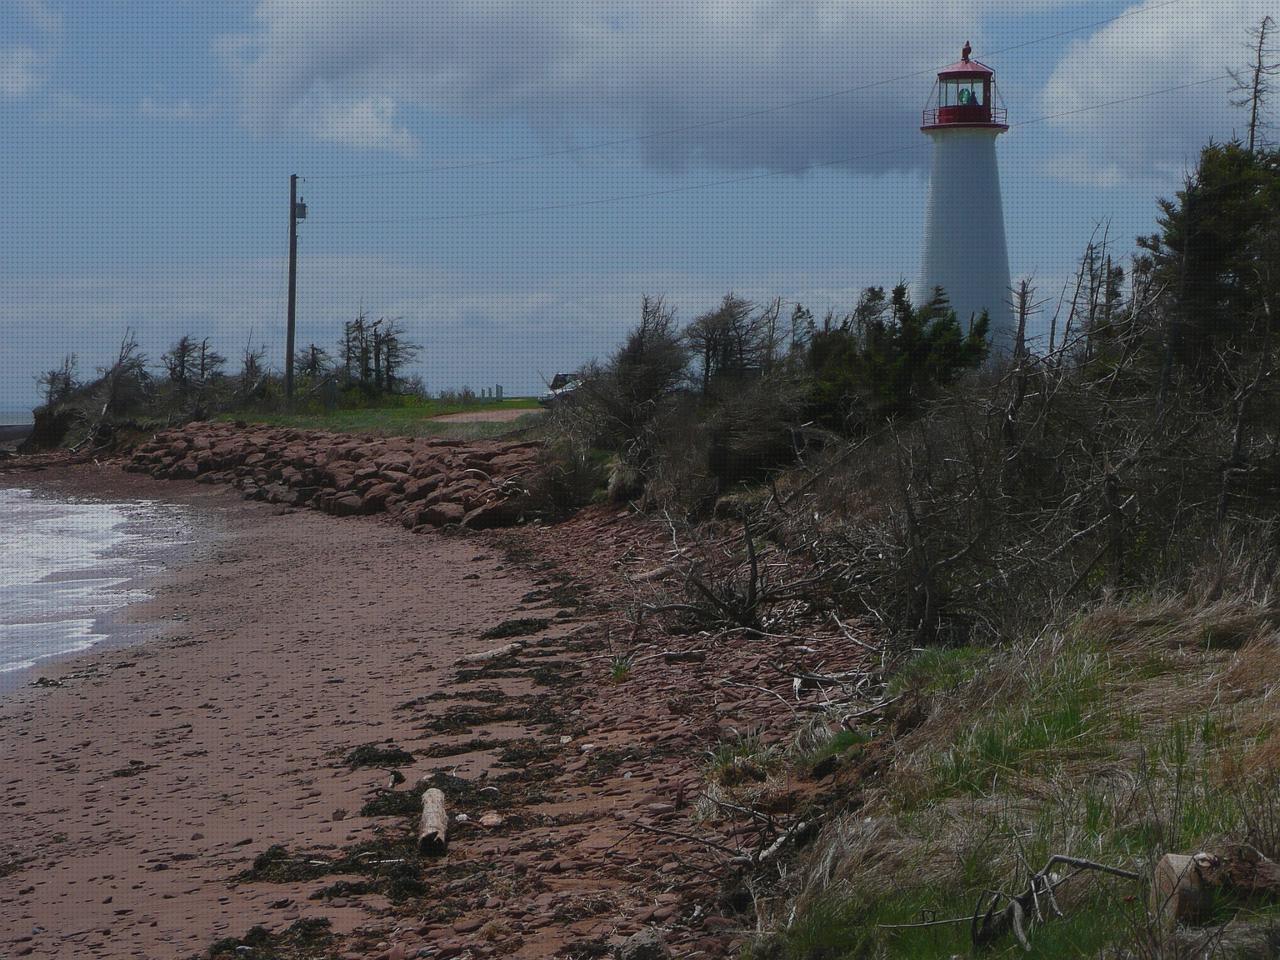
{"x": 495, "y": 653}
{"x": 433, "y": 829}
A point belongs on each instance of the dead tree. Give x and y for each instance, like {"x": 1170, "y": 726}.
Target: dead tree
{"x": 209, "y": 362}
{"x": 253, "y": 372}
{"x": 312, "y": 362}
{"x": 396, "y": 352}
{"x": 123, "y": 380}
{"x": 1254, "y": 89}
{"x": 59, "y": 383}
{"x": 1025, "y": 306}
{"x": 180, "y": 363}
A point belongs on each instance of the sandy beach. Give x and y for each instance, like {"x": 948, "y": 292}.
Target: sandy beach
{"x": 155, "y": 773}
{"x": 144, "y": 782}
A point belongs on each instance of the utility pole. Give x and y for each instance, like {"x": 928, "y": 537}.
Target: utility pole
{"x": 297, "y": 211}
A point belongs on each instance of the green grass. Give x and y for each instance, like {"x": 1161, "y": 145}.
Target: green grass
{"x": 403, "y": 417}
{"x": 813, "y": 747}
{"x": 744, "y": 758}
{"x": 940, "y": 669}
{"x": 619, "y": 669}
{"x": 902, "y": 924}
{"x": 1061, "y": 717}
{"x": 1127, "y": 733}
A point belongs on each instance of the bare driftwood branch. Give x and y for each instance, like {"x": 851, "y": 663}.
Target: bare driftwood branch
{"x": 987, "y": 927}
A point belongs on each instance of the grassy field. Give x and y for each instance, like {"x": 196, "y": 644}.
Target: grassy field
{"x": 411, "y": 418}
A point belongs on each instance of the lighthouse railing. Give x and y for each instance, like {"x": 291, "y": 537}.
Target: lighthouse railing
{"x": 941, "y": 116}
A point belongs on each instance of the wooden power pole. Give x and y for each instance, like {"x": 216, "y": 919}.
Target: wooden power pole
{"x": 297, "y": 211}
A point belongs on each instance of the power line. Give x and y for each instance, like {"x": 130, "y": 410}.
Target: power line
{"x": 627, "y": 196}
{"x": 1112, "y": 103}
{"x": 668, "y": 191}
{"x": 704, "y": 124}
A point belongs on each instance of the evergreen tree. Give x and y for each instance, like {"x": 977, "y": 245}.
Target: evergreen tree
{"x": 888, "y": 357}
{"x": 1215, "y": 255}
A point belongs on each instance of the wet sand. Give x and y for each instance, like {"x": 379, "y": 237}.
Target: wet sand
{"x": 139, "y": 787}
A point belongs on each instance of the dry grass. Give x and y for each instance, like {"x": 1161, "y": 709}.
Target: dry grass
{"x": 1136, "y": 729}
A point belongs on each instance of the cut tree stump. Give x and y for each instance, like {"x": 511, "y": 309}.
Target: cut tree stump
{"x": 433, "y": 829}
{"x": 1184, "y": 887}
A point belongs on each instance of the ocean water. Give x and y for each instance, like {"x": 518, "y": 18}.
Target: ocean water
{"x": 67, "y": 564}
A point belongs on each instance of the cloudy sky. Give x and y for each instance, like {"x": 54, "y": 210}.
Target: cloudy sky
{"x": 454, "y": 152}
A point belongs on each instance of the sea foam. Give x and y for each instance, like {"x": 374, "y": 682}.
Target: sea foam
{"x": 67, "y": 563}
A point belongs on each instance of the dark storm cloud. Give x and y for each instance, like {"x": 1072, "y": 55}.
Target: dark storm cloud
{"x": 571, "y": 70}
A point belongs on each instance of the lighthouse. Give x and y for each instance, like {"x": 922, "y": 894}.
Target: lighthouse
{"x": 964, "y": 244}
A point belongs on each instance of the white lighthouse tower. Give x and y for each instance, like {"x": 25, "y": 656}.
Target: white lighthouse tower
{"x": 964, "y": 245}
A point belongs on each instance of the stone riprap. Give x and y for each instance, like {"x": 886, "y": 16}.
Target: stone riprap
{"x": 424, "y": 482}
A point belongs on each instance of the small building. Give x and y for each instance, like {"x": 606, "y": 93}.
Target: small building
{"x": 562, "y": 385}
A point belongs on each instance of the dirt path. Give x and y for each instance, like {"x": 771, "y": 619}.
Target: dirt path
{"x": 486, "y": 416}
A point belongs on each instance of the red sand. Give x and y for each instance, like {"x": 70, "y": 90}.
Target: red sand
{"x": 142, "y": 786}
{"x": 292, "y": 643}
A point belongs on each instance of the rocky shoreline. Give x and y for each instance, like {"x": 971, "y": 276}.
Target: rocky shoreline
{"x": 424, "y": 483}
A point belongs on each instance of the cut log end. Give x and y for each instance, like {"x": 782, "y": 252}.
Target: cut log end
{"x": 433, "y": 829}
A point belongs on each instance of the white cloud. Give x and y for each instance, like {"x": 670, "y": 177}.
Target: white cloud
{"x": 21, "y": 64}
{"x": 19, "y": 72}
{"x": 45, "y": 18}
{"x": 631, "y": 67}
{"x": 1084, "y": 167}
{"x": 1151, "y": 137}
{"x": 367, "y": 124}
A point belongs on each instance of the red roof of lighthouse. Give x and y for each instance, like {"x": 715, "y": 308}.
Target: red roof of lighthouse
{"x": 965, "y": 68}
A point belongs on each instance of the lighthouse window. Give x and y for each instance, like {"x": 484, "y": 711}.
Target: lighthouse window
{"x": 963, "y": 94}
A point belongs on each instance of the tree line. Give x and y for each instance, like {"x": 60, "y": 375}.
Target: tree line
{"x": 370, "y": 357}
{"x": 958, "y": 496}
{"x": 193, "y": 379}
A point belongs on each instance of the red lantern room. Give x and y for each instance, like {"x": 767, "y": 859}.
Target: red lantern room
{"x": 965, "y": 96}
